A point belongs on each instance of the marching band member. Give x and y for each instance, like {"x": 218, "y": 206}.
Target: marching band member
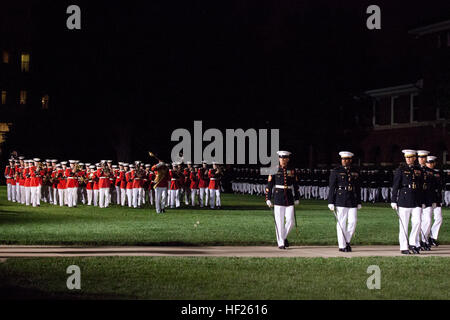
{"x": 138, "y": 188}
{"x": 60, "y": 178}
{"x": 162, "y": 180}
{"x": 53, "y": 183}
{"x": 203, "y": 184}
{"x": 18, "y": 179}
{"x": 8, "y": 181}
{"x": 174, "y": 186}
{"x": 118, "y": 176}
{"x": 129, "y": 177}
{"x": 96, "y": 184}
{"x": 123, "y": 185}
{"x": 436, "y": 188}
{"x": 187, "y": 182}
{"x": 71, "y": 187}
{"x": 27, "y": 183}
{"x": 103, "y": 185}
{"x": 194, "y": 184}
{"x": 150, "y": 178}
{"x": 90, "y": 175}
{"x": 214, "y": 176}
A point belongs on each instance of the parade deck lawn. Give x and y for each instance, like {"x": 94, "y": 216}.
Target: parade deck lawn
{"x": 243, "y": 220}
{"x": 225, "y": 278}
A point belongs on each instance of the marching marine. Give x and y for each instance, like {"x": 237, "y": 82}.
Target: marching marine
{"x": 282, "y": 188}
{"x": 345, "y": 197}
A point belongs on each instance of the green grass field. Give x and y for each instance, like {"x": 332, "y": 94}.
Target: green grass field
{"x": 226, "y": 278}
{"x": 243, "y": 220}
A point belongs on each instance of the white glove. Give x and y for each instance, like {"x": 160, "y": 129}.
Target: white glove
{"x": 359, "y": 206}
{"x": 331, "y": 207}
{"x": 433, "y": 205}
{"x": 394, "y": 205}
{"x": 423, "y": 206}
{"x": 296, "y": 202}
{"x": 269, "y": 203}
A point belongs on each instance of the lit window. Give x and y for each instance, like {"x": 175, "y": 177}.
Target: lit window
{"x": 25, "y": 62}
{"x": 3, "y": 97}
{"x": 44, "y": 101}
{"x": 23, "y": 97}
{"x": 5, "y": 56}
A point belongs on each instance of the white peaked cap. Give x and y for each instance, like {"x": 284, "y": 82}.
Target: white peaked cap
{"x": 71, "y": 161}
{"x": 81, "y": 163}
{"x": 36, "y": 159}
{"x": 346, "y": 154}
{"x": 88, "y": 164}
{"x": 131, "y": 165}
{"x": 422, "y": 153}
{"x": 21, "y": 157}
{"x": 48, "y": 160}
{"x": 92, "y": 166}
{"x": 114, "y": 165}
{"x": 120, "y": 163}
{"x": 110, "y": 161}
{"x": 409, "y": 152}
{"x": 147, "y": 165}
{"x": 125, "y": 164}
{"x": 63, "y": 162}
{"x": 54, "y": 160}
{"x": 282, "y": 153}
{"x": 431, "y": 158}
{"x": 188, "y": 162}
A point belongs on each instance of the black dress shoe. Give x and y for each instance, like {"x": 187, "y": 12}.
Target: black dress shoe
{"x": 405, "y": 252}
{"x": 343, "y": 250}
{"x": 434, "y": 242}
{"x": 349, "y": 249}
{"x": 281, "y": 247}
{"x": 286, "y": 243}
{"x": 414, "y": 250}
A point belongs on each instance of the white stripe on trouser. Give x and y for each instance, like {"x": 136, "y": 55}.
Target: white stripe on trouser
{"x": 447, "y": 197}
{"x": 174, "y": 196}
{"x": 90, "y": 194}
{"x": 405, "y": 214}
{"x": 27, "y": 195}
{"x": 194, "y": 193}
{"x": 283, "y": 228}
{"x": 214, "y": 193}
{"x": 346, "y": 225}
{"x": 437, "y": 222}
{"x": 123, "y": 196}
{"x": 425, "y": 223}
{"x": 103, "y": 201}
{"x": 62, "y": 194}
{"x": 118, "y": 195}
{"x": 96, "y": 195}
{"x": 130, "y": 197}
{"x": 160, "y": 198}
{"x": 137, "y": 197}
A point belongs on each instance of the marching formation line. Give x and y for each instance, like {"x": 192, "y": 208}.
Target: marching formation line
{"x": 20, "y": 251}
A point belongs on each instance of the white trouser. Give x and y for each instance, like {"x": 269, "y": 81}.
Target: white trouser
{"x": 130, "y": 197}
{"x": 27, "y": 195}
{"x": 49, "y": 194}
{"x": 187, "y": 195}
{"x": 71, "y": 197}
{"x": 36, "y": 196}
{"x": 96, "y": 195}
{"x": 283, "y": 228}
{"x": 346, "y": 225}
{"x": 160, "y": 198}
{"x": 90, "y": 194}
{"x": 55, "y": 196}
{"x": 194, "y": 193}
{"x": 425, "y": 223}
{"x": 150, "y": 196}
{"x": 103, "y": 201}
{"x": 13, "y": 192}
{"x": 8, "y": 191}
{"x": 437, "y": 222}
{"x": 447, "y": 198}
{"x": 385, "y": 193}
{"x": 123, "y": 196}
{"x": 18, "y": 192}
{"x": 82, "y": 194}
{"x": 204, "y": 196}
{"x": 137, "y": 197}
{"x": 405, "y": 214}
{"x": 174, "y": 196}
{"x": 118, "y": 195}
{"x": 61, "y": 195}
{"x": 214, "y": 193}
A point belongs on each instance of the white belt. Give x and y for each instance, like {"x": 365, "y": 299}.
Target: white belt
{"x": 279, "y": 186}
{"x": 173, "y": 179}
{"x": 212, "y": 178}
{"x": 103, "y": 177}
{"x": 70, "y": 177}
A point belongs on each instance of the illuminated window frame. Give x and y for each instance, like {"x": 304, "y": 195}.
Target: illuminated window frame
{"x": 23, "y": 97}
{"x": 25, "y": 62}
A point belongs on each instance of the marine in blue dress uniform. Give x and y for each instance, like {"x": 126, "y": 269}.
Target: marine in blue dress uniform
{"x": 282, "y": 188}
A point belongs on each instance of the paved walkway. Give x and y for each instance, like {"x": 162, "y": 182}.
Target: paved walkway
{"x": 11, "y": 251}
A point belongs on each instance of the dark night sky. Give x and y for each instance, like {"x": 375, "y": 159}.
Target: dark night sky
{"x": 139, "y": 69}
